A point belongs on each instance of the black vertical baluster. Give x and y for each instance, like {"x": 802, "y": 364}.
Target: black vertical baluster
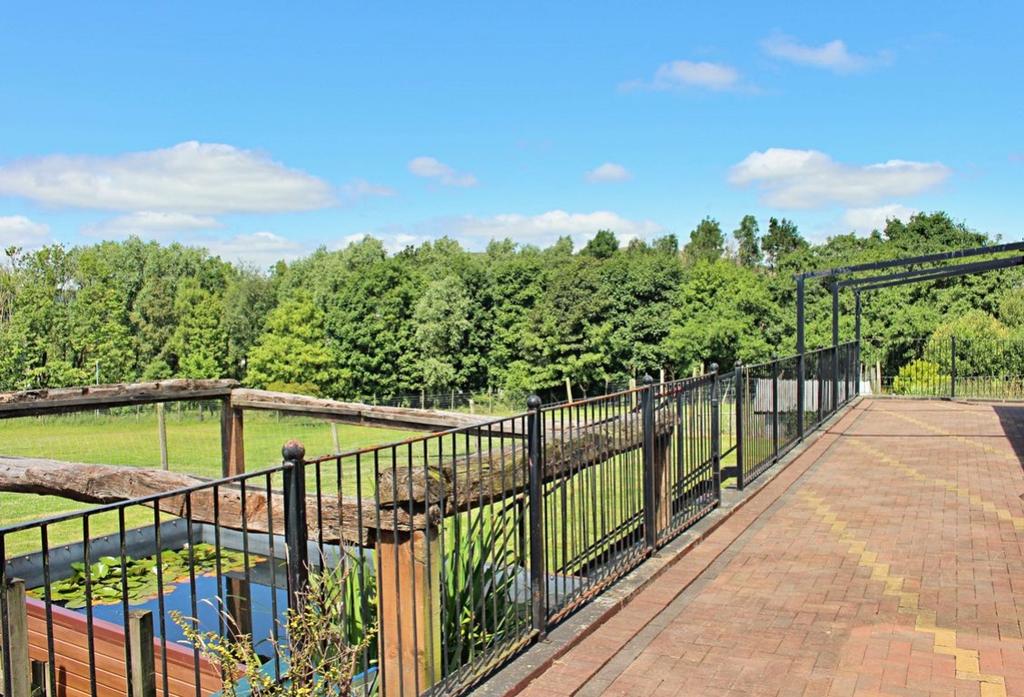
{"x": 739, "y": 383}
{"x": 192, "y": 589}
{"x": 952, "y": 359}
{"x": 218, "y": 568}
{"x": 647, "y": 449}
{"x": 715, "y": 434}
{"x": 536, "y": 482}
{"x": 272, "y": 562}
{"x": 5, "y": 619}
{"x": 123, "y": 547}
{"x": 161, "y": 608}
{"x": 88, "y": 605}
{"x": 44, "y": 535}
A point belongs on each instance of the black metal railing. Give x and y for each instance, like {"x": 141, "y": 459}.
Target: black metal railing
{"x": 769, "y": 397}
{"x": 461, "y": 547}
{"x": 951, "y": 367}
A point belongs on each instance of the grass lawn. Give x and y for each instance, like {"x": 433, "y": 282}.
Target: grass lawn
{"x": 130, "y": 438}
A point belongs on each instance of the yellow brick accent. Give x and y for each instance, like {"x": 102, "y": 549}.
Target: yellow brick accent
{"x": 958, "y": 489}
{"x": 968, "y": 666}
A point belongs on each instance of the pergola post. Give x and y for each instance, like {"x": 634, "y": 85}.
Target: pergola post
{"x": 856, "y": 347}
{"x": 800, "y": 359}
{"x": 835, "y": 346}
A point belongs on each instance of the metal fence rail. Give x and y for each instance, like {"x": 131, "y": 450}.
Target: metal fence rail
{"x": 768, "y": 400}
{"x": 951, "y": 367}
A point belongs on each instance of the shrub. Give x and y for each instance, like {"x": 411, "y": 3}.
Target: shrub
{"x": 920, "y": 377}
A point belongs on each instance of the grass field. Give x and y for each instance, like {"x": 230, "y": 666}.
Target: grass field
{"x": 131, "y": 438}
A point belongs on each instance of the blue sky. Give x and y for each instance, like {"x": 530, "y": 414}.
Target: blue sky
{"x": 262, "y": 132}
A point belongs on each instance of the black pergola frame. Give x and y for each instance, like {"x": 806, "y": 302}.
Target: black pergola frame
{"x": 919, "y": 275}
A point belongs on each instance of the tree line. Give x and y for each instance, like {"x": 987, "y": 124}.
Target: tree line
{"x": 357, "y": 322}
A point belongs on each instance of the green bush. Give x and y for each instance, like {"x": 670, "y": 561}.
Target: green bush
{"x": 921, "y": 377}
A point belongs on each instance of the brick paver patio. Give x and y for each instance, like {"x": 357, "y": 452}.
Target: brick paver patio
{"x": 888, "y": 559}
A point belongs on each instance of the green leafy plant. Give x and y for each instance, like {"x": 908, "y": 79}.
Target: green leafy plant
{"x": 920, "y": 377}
{"x": 319, "y": 658}
{"x": 140, "y": 575}
{"x": 477, "y": 589}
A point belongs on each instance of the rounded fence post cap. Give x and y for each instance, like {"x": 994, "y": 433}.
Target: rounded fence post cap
{"x": 533, "y": 401}
{"x": 738, "y": 363}
{"x": 293, "y": 451}
{"x": 714, "y": 367}
{"x": 648, "y": 380}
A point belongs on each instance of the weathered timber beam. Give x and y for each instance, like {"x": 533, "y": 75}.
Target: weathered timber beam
{"x": 67, "y": 399}
{"x": 475, "y": 479}
{"x": 345, "y": 519}
{"x": 354, "y": 412}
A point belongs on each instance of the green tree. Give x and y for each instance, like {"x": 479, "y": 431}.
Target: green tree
{"x": 603, "y": 245}
{"x": 198, "y": 346}
{"x": 749, "y": 251}
{"x": 294, "y": 353}
{"x": 707, "y": 243}
{"x": 442, "y": 325}
{"x": 782, "y": 239}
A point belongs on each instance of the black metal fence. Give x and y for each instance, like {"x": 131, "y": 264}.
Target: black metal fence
{"x": 775, "y": 408}
{"x": 951, "y": 367}
{"x": 458, "y": 548}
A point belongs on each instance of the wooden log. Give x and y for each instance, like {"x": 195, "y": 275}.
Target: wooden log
{"x": 353, "y": 412}
{"x": 343, "y": 518}
{"x": 479, "y": 478}
{"x": 56, "y": 401}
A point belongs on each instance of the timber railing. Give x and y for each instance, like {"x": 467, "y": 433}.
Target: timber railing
{"x": 462, "y": 546}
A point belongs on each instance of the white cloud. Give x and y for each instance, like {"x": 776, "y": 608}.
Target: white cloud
{"x": 191, "y": 177}
{"x": 432, "y": 168}
{"x": 865, "y": 220}
{"x": 146, "y": 223}
{"x": 259, "y": 248}
{"x": 19, "y": 231}
{"x": 608, "y": 172}
{"x": 360, "y": 188}
{"x": 791, "y": 178}
{"x": 834, "y": 55}
{"x": 681, "y": 74}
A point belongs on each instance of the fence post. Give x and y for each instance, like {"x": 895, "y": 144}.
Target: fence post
{"x": 775, "y": 408}
{"x": 143, "y": 676}
{"x": 740, "y": 381}
{"x": 650, "y": 502}
{"x": 20, "y": 678}
{"x": 296, "y": 532}
{"x": 161, "y": 430}
{"x": 952, "y": 365}
{"x": 716, "y": 448}
{"x": 538, "y": 572}
{"x": 232, "y": 440}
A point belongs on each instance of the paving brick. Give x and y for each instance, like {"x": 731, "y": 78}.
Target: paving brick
{"x": 887, "y": 559}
